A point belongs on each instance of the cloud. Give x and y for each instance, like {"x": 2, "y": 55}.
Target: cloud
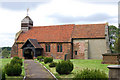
{"x": 52, "y": 12}
{"x": 25, "y": 0}
{"x": 7, "y": 39}
{"x": 99, "y": 17}
{"x": 20, "y": 5}
{"x": 99, "y": 1}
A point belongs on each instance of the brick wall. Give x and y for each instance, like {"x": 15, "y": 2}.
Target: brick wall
{"x": 20, "y": 54}
{"x": 14, "y": 50}
{"x": 80, "y": 48}
{"x": 66, "y": 48}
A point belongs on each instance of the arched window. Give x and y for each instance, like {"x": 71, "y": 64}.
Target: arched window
{"x": 47, "y": 47}
{"x": 59, "y": 47}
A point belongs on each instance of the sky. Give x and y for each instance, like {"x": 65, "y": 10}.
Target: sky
{"x": 53, "y": 12}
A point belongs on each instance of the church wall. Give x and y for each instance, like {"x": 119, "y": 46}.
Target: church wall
{"x": 66, "y": 48}
{"x": 79, "y": 49}
{"x": 20, "y": 53}
{"x": 97, "y": 47}
{"x": 14, "y": 50}
{"x": 94, "y": 49}
{"x": 86, "y": 49}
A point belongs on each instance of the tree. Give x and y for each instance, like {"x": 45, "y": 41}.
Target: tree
{"x": 5, "y": 53}
{"x": 8, "y": 48}
{"x": 117, "y": 44}
{"x": 113, "y": 35}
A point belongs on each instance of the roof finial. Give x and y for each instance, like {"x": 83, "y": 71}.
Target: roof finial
{"x": 27, "y": 11}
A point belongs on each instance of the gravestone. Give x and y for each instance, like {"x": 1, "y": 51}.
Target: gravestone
{"x": 114, "y": 72}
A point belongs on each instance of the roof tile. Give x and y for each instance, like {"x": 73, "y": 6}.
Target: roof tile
{"x": 63, "y": 33}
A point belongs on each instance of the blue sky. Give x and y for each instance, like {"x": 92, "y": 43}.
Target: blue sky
{"x": 54, "y": 12}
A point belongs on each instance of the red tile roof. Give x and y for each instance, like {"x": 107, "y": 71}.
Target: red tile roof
{"x": 56, "y": 33}
{"x": 63, "y": 33}
{"x": 89, "y": 31}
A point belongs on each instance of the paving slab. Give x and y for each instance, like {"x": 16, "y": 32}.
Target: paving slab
{"x": 35, "y": 71}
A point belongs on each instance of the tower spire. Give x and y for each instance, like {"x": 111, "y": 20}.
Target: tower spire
{"x": 26, "y": 23}
{"x": 27, "y": 11}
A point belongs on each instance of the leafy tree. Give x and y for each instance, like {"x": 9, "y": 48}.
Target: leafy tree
{"x": 5, "y": 53}
{"x": 117, "y": 44}
{"x": 113, "y": 35}
{"x": 8, "y": 48}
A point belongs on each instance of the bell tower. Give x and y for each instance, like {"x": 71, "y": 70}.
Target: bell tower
{"x": 26, "y": 23}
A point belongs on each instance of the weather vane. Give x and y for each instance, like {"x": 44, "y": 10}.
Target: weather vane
{"x": 27, "y": 11}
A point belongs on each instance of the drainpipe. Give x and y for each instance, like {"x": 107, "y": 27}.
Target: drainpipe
{"x": 72, "y": 48}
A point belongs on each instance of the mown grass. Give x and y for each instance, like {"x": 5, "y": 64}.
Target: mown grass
{"x": 4, "y": 61}
{"x": 78, "y": 66}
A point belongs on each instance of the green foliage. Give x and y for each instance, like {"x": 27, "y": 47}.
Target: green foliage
{"x": 113, "y": 30}
{"x": 117, "y": 44}
{"x": 48, "y": 60}
{"x": 16, "y": 60}
{"x": 64, "y": 67}
{"x": 13, "y": 70}
{"x": 71, "y": 65}
{"x": 8, "y": 48}
{"x": 3, "y": 74}
{"x": 53, "y": 64}
{"x": 40, "y": 58}
{"x": 90, "y": 74}
{"x": 5, "y": 53}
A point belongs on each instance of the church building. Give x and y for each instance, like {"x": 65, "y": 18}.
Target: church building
{"x": 71, "y": 41}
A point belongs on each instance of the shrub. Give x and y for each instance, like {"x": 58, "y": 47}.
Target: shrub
{"x": 64, "y": 67}
{"x": 53, "y": 64}
{"x": 71, "y": 65}
{"x": 16, "y": 61}
{"x": 16, "y": 58}
{"x": 40, "y": 58}
{"x": 48, "y": 60}
{"x": 91, "y": 74}
{"x": 13, "y": 70}
{"x": 2, "y": 74}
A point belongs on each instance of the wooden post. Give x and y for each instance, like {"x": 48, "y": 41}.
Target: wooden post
{"x": 114, "y": 72}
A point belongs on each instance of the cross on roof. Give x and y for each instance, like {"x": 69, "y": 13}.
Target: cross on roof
{"x": 27, "y": 11}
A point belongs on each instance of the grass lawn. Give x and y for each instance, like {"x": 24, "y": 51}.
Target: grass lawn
{"x": 78, "y": 66}
{"x": 4, "y": 61}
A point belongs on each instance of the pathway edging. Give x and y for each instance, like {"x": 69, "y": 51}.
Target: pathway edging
{"x": 47, "y": 70}
{"x": 25, "y": 73}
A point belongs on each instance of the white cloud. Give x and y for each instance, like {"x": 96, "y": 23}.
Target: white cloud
{"x": 11, "y": 19}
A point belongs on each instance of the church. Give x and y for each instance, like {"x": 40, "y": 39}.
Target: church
{"x": 69, "y": 41}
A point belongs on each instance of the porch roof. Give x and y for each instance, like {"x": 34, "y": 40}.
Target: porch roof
{"x": 34, "y": 42}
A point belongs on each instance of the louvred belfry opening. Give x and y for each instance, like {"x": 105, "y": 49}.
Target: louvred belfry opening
{"x": 26, "y": 23}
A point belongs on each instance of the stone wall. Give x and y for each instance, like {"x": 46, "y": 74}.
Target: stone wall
{"x": 111, "y": 58}
{"x": 89, "y": 48}
{"x": 96, "y": 48}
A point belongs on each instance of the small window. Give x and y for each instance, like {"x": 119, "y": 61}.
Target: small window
{"x": 47, "y": 47}
{"x": 75, "y": 52}
{"x": 59, "y": 47}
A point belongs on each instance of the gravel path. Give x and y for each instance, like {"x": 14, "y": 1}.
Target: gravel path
{"x": 35, "y": 71}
